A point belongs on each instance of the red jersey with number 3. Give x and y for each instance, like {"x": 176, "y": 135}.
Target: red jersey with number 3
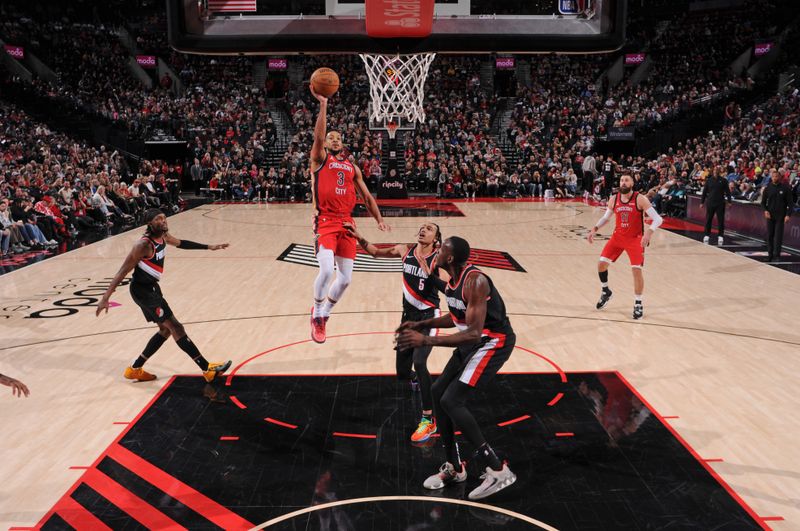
{"x": 334, "y": 187}
{"x": 630, "y": 220}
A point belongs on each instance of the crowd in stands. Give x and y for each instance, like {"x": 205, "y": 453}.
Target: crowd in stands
{"x": 545, "y": 148}
{"x": 52, "y": 187}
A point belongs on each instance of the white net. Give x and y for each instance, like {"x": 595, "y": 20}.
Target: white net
{"x": 397, "y": 86}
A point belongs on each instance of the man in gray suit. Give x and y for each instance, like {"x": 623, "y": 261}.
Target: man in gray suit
{"x": 196, "y": 173}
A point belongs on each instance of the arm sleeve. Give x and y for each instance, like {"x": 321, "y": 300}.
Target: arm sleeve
{"x": 703, "y": 194}
{"x": 657, "y": 219}
{"x": 602, "y": 221}
{"x": 186, "y": 244}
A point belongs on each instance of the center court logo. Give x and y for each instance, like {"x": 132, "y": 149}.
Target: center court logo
{"x": 572, "y": 232}
{"x": 62, "y": 300}
{"x": 302, "y": 254}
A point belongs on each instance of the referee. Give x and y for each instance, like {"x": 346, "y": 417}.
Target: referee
{"x": 777, "y": 202}
{"x": 715, "y": 194}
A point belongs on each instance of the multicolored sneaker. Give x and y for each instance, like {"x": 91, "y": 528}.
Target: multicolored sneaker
{"x": 318, "y": 328}
{"x": 138, "y": 374}
{"x": 447, "y": 475}
{"x": 426, "y": 428}
{"x": 216, "y": 370}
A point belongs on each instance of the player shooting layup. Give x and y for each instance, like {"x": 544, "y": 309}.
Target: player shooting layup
{"x": 335, "y": 181}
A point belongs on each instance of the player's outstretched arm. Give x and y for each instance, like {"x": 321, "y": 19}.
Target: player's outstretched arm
{"x": 656, "y": 220}
{"x": 603, "y": 220}
{"x": 369, "y": 201}
{"x": 396, "y": 251}
{"x": 17, "y": 388}
{"x": 443, "y": 321}
{"x": 188, "y": 244}
{"x": 477, "y": 288}
{"x": 320, "y": 128}
{"x": 141, "y": 250}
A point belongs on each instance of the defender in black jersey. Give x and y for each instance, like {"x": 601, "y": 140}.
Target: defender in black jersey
{"x": 146, "y": 259}
{"x": 484, "y": 342}
{"x": 420, "y": 302}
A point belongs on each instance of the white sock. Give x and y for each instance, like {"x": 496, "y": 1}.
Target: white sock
{"x": 604, "y": 284}
{"x": 326, "y": 260}
{"x": 318, "y": 307}
{"x": 638, "y": 299}
{"x": 327, "y": 306}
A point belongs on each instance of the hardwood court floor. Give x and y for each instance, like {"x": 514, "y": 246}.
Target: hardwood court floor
{"x": 718, "y": 348}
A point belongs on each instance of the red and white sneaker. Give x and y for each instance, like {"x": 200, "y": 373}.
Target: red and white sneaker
{"x": 318, "y": 328}
{"x": 447, "y": 475}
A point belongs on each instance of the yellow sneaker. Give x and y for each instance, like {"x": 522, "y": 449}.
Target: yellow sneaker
{"x": 215, "y": 370}
{"x": 138, "y": 374}
{"x": 424, "y": 431}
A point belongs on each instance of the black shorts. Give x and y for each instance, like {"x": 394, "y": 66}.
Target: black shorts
{"x": 480, "y": 362}
{"x": 149, "y": 298}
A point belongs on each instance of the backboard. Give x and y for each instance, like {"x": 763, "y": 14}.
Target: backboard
{"x": 278, "y": 27}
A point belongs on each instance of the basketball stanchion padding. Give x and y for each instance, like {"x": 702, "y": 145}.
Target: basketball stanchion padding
{"x": 391, "y": 128}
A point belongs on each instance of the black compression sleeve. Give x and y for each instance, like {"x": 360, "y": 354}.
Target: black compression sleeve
{"x": 186, "y": 244}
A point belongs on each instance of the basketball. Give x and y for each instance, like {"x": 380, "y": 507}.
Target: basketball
{"x": 325, "y": 82}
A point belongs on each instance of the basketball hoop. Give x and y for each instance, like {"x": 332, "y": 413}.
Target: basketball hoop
{"x": 397, "y": 86}
{"x": 391, "y": 128}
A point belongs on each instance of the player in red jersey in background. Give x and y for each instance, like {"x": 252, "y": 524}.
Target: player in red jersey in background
{"x": 335, "y": 180}
{"x": 629, "y": 235}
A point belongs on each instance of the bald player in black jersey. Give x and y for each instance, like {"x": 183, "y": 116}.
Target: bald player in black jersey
{"x": 146, "y": 259}
{"x": 484, "y": 342}
{"x": 420, "y": 302}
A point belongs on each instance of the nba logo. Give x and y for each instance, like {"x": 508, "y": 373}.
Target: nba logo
{"x": 159, "y": 312}
{"x": 569, "y": 7}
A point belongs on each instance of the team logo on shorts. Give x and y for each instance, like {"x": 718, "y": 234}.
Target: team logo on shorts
{"x": 159, "y": 312}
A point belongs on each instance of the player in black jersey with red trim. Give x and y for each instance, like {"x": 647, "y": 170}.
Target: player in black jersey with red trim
{"x": 420, "y": 302}
{"x": 484, "y": 342}
{"x": 146, "y": 259}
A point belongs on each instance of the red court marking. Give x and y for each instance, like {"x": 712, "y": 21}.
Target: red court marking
{"x": 281, "y": 423}
{"x": 692, "y": 451}
{"x": 679, "y": 224}
{"x": 715, "y": 460}
{"x": 671, "y": 417}
{"x": 513, "y": 421}
{"x": 79, "y": 468}
{"x": 565, "y": 434}
{"x": 248, "y": 360}
{"x": 772, "y": 518}
{"x": 197, "y": 501}
{"x": 237, "y": 402}
{"x": 439, "y": 434}
{"x": 78, "y": 517}
{"x": 561, "y": 373}
{"x": 354, "y": 435}
{"x": 21, "y": 528}
{"x": 236, "y": 369}
{"x": 555, "y": 399}
{"x": 121, "y": 423}
{"x": 130, "y": 503}
{"x": 64, "y": 501}
{"x": 229, "y": 438}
